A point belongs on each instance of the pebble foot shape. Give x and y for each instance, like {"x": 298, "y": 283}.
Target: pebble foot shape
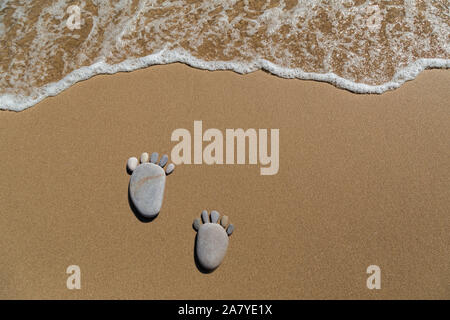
{"x": 212, "y": 239}
{"x": 147, "y": 183}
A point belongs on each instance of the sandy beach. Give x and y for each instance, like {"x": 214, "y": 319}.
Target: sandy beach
{"x": 362, "y": 180}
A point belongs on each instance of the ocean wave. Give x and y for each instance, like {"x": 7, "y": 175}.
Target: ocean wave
{"x": 365, "y": 48}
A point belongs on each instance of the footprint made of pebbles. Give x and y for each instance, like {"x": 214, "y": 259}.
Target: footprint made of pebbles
{"x": 147, "y": 182}
{"x": 212, "y": 239}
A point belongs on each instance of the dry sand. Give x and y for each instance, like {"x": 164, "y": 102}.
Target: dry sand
{"x": 364, "y": 179}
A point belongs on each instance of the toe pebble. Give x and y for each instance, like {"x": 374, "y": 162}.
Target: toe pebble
{"x": 197, "y": 223}
{"x": 205, "y": 216}
{"x": 230, "y": 229}
{"x": 224, "y": 221}
{"x": 163, "y": 160}
{"x": 154, "y": 157}
{"x": 215, "y": 216}
{"x": 144, "y": 157}
{"x": 132, "y": 163}
{"x": 170, "y": 168}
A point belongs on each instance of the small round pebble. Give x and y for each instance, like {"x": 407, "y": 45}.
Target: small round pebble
{"x": 144, "y": 157}
{"x": 154, "y": 157}
{"x": 197, "y": 224}
{"x": 132, "y": 163}
{"x": 163, "y": 160}
{"x": 224, "y": 221}
{"x": 230, "y": 229}
{"x": 215, "y": 216}
{"x": 170, "y": 168}
{"x": 205, "y": 216}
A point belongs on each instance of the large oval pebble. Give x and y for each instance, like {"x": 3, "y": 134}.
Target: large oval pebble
{"x": 212, "y": 244}
{"x": 147, "y": 189}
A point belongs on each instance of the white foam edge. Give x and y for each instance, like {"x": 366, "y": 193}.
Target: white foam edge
{"x": 20, "y": 102}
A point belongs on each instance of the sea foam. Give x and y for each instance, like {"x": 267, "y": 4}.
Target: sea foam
{"x": 355, "y": 47}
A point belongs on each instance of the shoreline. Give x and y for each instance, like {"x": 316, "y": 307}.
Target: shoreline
{"x": 14, "y": 103}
